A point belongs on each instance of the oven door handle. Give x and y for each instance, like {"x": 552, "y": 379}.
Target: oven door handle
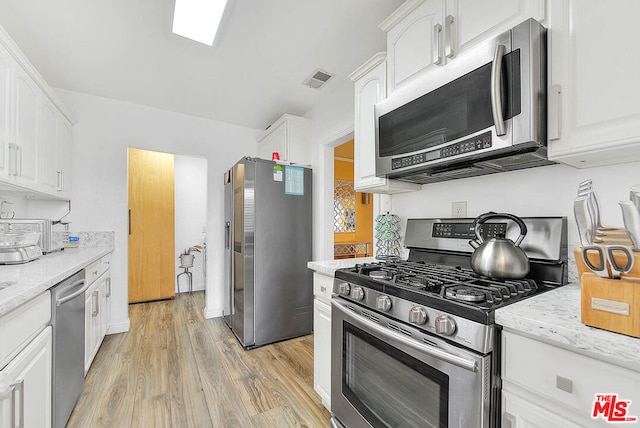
{"x": 496, "y": 90}
{"x": 392, "y": 335}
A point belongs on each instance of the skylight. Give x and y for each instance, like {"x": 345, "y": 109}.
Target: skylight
{"x": 198, "y": 19}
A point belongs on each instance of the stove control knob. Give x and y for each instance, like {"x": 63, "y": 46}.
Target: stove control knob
{"x": 445, "y": 325}
{"x": 357, "y": 293}
{"x": 344, "y": 288}
{"x": 417, "y": 315}
{"x": 383, "y": 303}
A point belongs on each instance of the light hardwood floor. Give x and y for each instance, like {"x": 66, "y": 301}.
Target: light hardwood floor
{"x": 176, "y": 369}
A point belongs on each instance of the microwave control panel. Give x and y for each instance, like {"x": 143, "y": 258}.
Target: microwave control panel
{"x": 479, "y": 142}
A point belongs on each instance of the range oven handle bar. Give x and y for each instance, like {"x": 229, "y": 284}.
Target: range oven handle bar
{"x": 397, "y": 337}
{"x": 496, "y": 90}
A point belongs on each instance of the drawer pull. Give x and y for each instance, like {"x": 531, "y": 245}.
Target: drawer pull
{"x": 323, "y": 288}
{"x": 564, "y": 384}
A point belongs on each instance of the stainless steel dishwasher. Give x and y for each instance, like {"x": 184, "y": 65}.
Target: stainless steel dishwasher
{"x": 67, "y": 321}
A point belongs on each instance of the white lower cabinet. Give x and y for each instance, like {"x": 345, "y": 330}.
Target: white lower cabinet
{"x": 547, "y": 386}
{"x": 97, "y": 309}
{"x": 25, "y": 385}
{"x": 322, "y": 286}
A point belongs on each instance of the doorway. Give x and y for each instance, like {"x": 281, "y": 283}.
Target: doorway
{"x": 352, "y": 211}
{"x": 151, "y": 225}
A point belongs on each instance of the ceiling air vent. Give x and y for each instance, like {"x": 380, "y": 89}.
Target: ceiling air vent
{"x": 317, "y": 79}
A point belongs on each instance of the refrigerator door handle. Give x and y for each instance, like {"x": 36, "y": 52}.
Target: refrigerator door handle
{"x": 227, "y": 233}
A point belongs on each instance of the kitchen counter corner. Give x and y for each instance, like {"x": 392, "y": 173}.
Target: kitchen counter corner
{"x": 554, "y": 317}
{"x": 329, "y": 267}
{"x": 37, "y": 276}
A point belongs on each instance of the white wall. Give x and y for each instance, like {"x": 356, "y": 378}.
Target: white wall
{"x": 190, "y": 190}
{"x": 105, "y": 129}
{"x": 544, "y": 191}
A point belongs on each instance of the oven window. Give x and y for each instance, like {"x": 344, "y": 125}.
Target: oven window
{"x": 390, "y": 388}
{"x": 455, "y": 110}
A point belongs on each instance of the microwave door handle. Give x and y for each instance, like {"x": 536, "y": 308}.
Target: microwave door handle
{"x": 437, "y": 38}
{"x": 496, "y": 90}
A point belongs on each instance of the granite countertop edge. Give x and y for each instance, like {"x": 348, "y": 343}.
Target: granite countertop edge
{"x": 554, "y": 318}
{"x": 329, "y": 267}
{"x": 33, "y": 278}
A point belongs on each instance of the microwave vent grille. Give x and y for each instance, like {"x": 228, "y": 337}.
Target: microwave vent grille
{"x": 523, "y": 160}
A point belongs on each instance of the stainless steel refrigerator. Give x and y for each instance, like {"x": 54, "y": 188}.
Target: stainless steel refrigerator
{"x": 269, "y": 289}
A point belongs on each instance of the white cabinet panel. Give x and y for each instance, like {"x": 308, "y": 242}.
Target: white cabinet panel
{"x": 47, "y": 149}
{"x": 26, "y": 125}
{"x": 322, "y": 351}
{"x": 592, "y": 76}
{"x": 6, "y": 66}
{"x": 26, "y": 383}
{"x": 414, "y": 44}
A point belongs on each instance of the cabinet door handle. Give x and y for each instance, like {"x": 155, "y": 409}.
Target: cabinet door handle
{"x": 60, "y": 186}
{"x": 437, "y": 39}
{"x": 496, "y": 90}
{"x": 323, "y": 288}
{"x": 96, "y": 305}
{"x": 19, "y": 160}
{"x": 450, "y": 36}
{"x": 554, "y": 105}
{"x": 108, "y": 287}
{"x": 13, "y": 159}
{"x": 16, "y": 389}
{"x": 129, "y": 222}
{"x": 564, "y": 384}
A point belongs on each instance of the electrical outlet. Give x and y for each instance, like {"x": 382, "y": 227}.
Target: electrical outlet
{"x": 459, "y": 209}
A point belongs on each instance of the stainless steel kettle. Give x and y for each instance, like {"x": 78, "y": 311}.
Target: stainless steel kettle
{"x": 499, "y": 257}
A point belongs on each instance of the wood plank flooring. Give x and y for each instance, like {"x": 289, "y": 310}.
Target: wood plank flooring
{"x": 176, "y": 369}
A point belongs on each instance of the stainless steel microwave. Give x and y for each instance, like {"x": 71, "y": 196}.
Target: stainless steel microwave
{"x": 49, "y": 240}
{"x": 482, "y": 113}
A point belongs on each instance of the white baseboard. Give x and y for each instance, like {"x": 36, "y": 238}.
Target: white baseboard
{"x": 119, "y": 328}
{"x": 212, "y": 312}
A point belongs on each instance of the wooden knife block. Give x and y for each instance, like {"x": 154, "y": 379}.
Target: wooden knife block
{"x": 611, "y": 304}
{"x": 634, "y": 273}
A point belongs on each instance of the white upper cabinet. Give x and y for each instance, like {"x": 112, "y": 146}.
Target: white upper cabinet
{"x": 415, "y": 40}
{"x": 289, "y": 136}
{"x": 594, "y": 114}
{"x": 424, "y": 35}
{"x": 26, "y": 126}
{"x": 370, "y": 84}
{"x": 35, "y": 131}
{"x": 6, "y": 66}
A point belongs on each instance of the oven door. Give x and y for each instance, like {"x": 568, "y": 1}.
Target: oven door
{"x": 389, "y": 374}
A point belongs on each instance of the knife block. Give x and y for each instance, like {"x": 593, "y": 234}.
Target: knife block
{"x": 611, "y": 304}
{"x": 634, "y": 273}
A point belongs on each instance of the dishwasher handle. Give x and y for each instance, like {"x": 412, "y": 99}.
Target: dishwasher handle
{"x": 75, "y": 294}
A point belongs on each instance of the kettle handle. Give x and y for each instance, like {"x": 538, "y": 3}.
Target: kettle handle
{"x": 486, "y": 216}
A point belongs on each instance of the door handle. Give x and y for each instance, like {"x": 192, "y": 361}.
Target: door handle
{"x": 75, "y": 294}
{"x": 496, "y": 90}
{"x": 450, "y": 36}
{"x": 437, "y": 37}
{"x": 129, "y": 222}
{"x": 227, "y": 233}
{"x": 96, "y": 307}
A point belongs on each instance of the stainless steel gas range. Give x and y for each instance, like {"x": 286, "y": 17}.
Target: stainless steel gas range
{"x": 414, "y": 342}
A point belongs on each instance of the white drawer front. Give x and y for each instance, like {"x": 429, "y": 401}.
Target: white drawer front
{"x": 105, "y": 263}
{"x": 565, "y": 376}
{"x": 322, "y": 286}
{"x": 93, "y": 271}
{"x": 20, "y": 325}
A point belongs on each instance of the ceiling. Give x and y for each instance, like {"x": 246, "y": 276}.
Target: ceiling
{"x": 124, "y": 49}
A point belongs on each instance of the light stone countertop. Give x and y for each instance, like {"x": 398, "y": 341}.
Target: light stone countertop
{"x": 37, "y": 276}
{"x": 329, "y": 267}
{"x": 554, "y": 318}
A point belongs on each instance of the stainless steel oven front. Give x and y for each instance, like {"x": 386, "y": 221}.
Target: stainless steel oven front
{"x": 390, "y": 374}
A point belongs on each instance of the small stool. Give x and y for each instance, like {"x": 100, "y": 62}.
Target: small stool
{"x": 189, "y": 276}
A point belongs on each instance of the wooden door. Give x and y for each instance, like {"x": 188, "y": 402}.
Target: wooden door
{"x": 151, "y": 226}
